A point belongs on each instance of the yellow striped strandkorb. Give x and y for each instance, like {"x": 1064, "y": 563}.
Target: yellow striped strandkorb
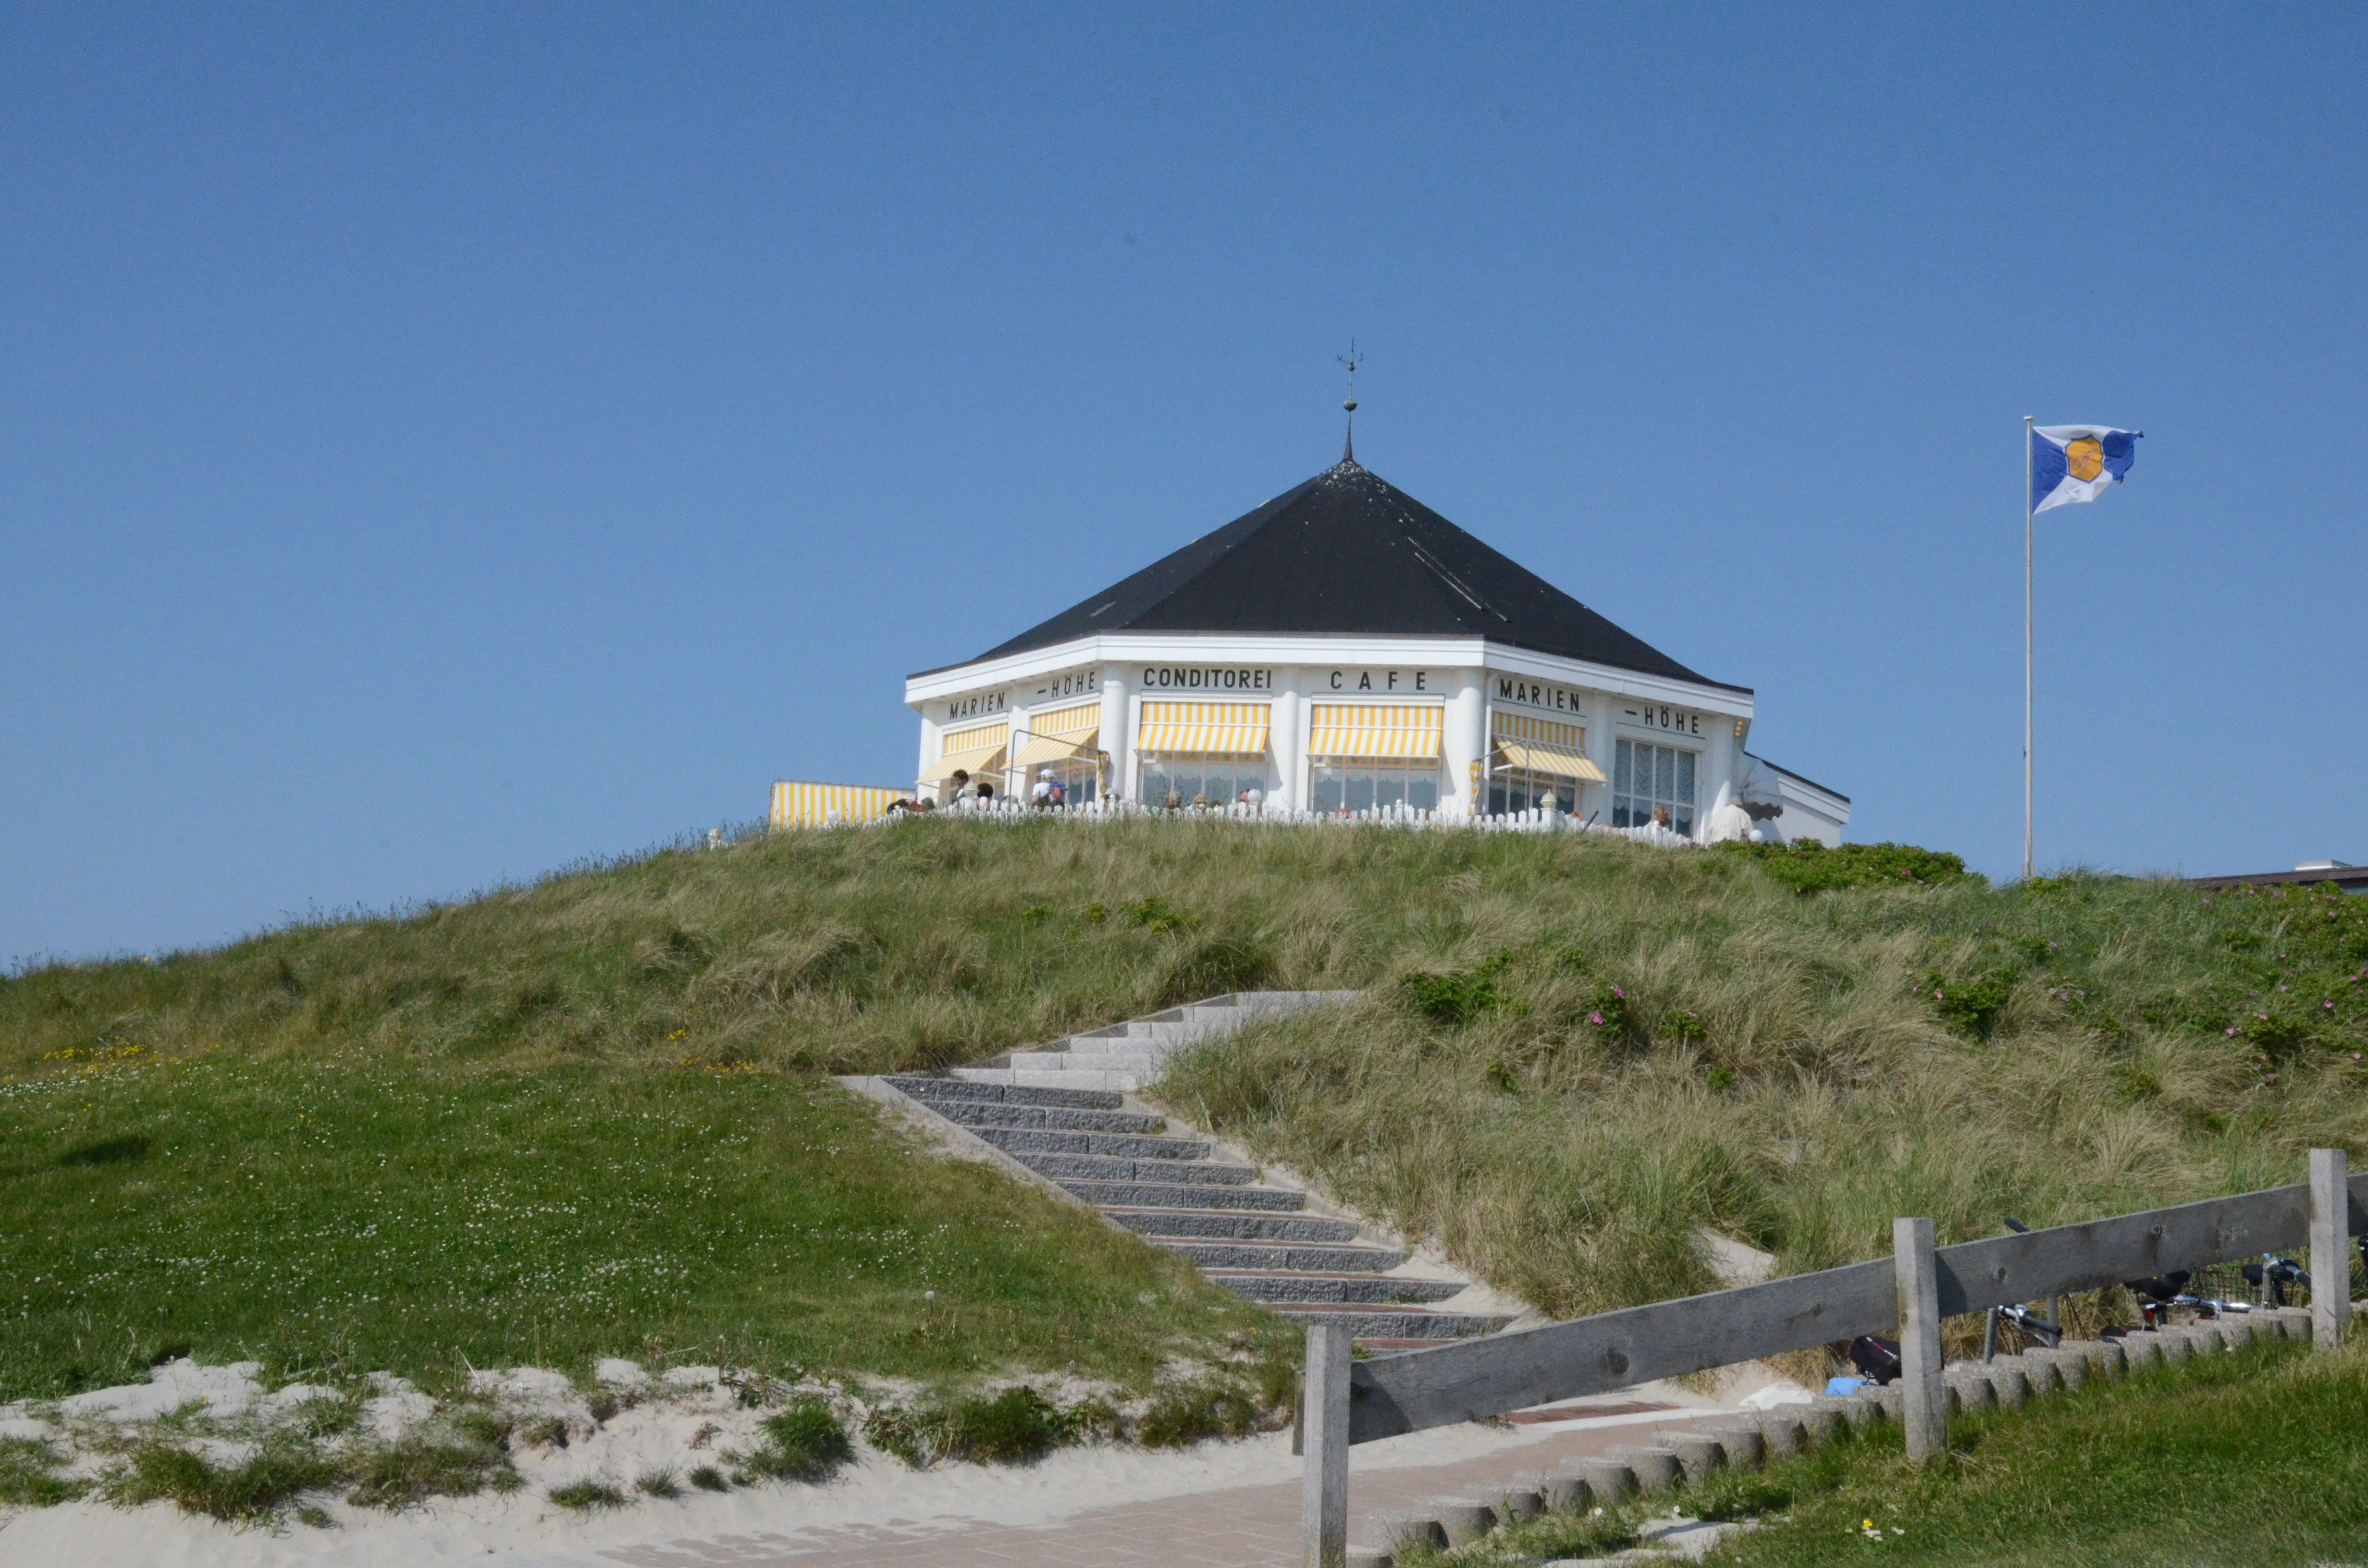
{"x": 1374, "y": 730}
{"x": 1543, "y": 745}
{"x": 797, "y": 803}
{"x": 1205, "y": 729}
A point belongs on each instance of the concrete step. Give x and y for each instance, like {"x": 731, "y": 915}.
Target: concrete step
{"x": 977, "y": 1114}
{"x": 1307, "y": 1285}
{"x": 1179, "y": 1195}
{"x": 1070, "y": 1096}
{"x": 1110, "y": 1167}
{"x": 1219, "y": 1224}
{"x": 1268, "y": 1255}
{"x": 1383, "y": 1322}
{"x": 1075, "y": 1081}
{"x": 1134, "y": 1060}
{"x": 1045, "y": 1141}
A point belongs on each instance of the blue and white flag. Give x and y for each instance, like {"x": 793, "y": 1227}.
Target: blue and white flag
{"x": 2075, "y": 462}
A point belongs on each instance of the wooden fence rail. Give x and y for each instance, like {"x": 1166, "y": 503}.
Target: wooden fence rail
{"x": 1479, "y": 1377}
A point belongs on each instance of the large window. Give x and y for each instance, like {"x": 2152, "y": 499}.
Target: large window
{"x": 1523, "y": 789}
{"x": 1202, "y": 780}
{"x": 1361, "y": 787}
{"x": 1078, "y": 775}
{"x": 1653, "y": 783}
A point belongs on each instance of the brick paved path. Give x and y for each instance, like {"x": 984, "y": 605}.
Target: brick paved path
{"x": 1250, "y": 1527}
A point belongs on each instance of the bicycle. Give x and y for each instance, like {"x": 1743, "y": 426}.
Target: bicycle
{"x": 2021, "y": 1319}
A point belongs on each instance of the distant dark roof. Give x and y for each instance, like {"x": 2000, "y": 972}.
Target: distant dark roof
{"x": 1350, "y": 553}
{"x": 2350, "y": 879}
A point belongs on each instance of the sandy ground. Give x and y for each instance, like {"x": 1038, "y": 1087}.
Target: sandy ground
{"x": 765, "y": 1523}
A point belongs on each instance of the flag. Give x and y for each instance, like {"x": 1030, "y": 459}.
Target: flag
{"x": 2075, "y": 462}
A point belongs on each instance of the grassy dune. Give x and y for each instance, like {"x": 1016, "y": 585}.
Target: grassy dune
{"x": 585, "y": 1116}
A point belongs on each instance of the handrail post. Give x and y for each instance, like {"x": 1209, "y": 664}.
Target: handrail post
{"x": 2330, "y": 1247}
{"x": 1923, "y": 1402}
{"x": 1324, "y": 1412}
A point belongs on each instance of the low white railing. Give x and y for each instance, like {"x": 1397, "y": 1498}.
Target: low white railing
{"x": 1535, "y": 820}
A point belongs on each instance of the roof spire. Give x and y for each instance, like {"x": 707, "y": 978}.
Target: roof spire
{"x": 1350, "y": 360}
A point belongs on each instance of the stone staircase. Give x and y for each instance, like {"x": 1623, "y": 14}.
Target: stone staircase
{"x": 1061, "y": 1113}
{"x": 1129, "y": 1055}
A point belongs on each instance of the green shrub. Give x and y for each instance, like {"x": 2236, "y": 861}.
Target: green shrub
{"x": 1184, "y": 1413}
{"x": 1971, "y": 1005}
{"x": 28, "y": 1474}
{"x": 1462, "y": 995}
{"x": 245, "y": 1491}
{"x": 1016, "y": 1427}
{"x": 805, "y": 1442}
{"x": 588, "y": 1495}
{"x": 707, "y": 1478}
{"x": 398, "y": 1474}
{"x": 1810, "y": 867}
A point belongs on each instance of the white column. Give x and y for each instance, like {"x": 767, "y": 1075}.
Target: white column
{"x": 1117, "y": 738}
{"x": 930, "y": 730}
{"x": 1287, "y": 732}
{"x": 1466, "y": 737}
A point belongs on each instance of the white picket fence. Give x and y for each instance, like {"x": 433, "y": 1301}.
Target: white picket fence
{"x": 1537, "y": 820}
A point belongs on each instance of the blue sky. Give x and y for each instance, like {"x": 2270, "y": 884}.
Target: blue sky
{"x": 438, "y": 444}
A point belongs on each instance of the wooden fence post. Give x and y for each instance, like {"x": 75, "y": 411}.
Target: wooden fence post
{"x": 1923, "y": 1402}
{"x": 2330, "y": 1247}
{"x": 1323, "y": 1415}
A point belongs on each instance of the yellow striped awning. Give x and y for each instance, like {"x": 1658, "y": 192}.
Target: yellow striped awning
{"x": 1548, "y": 760}
{"x": 1205, "y": 729}
{"x": 978, "y": 749}
{"x": 1074, "y": 722}
{"x": 1055, "y": 748}
{"x": 797, "y": 803}
{"x": 1366, "y": 728}
{"x": 1060, "y": 734}
{"x": 1543, "y": 746}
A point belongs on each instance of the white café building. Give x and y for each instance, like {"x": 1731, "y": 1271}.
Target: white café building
{"x": 1344, "y": 647}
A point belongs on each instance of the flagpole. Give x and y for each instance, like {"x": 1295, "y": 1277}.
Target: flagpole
{"x": 2026, "y": 647}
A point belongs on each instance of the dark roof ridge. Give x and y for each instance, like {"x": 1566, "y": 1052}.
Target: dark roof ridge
{"x": 1346, "y": 552}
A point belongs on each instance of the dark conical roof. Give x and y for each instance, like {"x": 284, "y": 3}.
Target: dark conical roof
{"x": 1350, "y": 553}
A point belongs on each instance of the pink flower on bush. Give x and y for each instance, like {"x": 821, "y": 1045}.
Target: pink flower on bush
{"x": 1621, "y": 994}
{"x": 2232, "y": 1028}
{"x": 1595, "y": 1019}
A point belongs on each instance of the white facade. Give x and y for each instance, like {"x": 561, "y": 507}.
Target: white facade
{"x": 1457, "y": 716}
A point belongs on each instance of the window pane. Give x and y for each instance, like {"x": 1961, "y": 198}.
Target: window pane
{"x": 1422, "y": 792}
{"x": 1623, "y": 769}
{"x": 1155, "y": 784}
{"x": 1500, "y": 798}
{"x": 1389, "y": 788}
{"x": 1327, "y": 789}
{"x": 1360, "y": 790}
{"x": 1685, "y": 779}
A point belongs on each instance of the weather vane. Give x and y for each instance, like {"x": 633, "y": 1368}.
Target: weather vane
{"x": 1350, "y": 362}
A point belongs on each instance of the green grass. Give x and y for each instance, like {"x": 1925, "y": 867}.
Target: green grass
{"x": 585, "y": 1116}
{"x": 365, "y": 1215}
{"x": 2255, "y": 1457}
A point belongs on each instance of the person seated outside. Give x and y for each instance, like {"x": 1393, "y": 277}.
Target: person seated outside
{"x": 986, "y": 792}
{"x": 958, "y": 786}
{"x": 1175, "y": 802}
{"x": 1048, "y": 792}
{"x": 1661, "y": 818}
